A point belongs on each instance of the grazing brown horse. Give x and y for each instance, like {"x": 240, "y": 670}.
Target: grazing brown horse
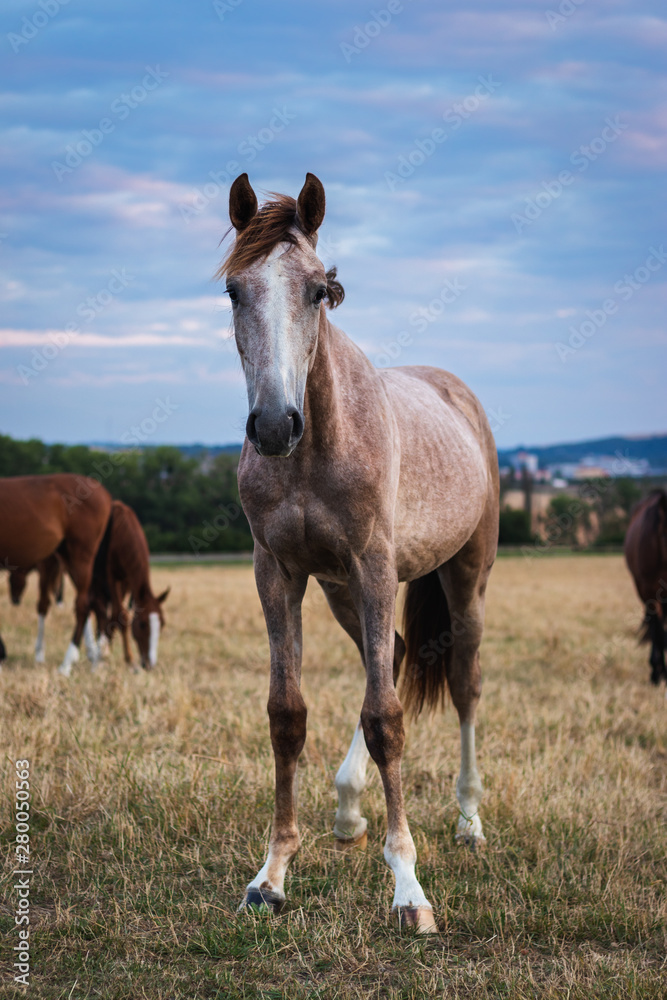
{"x": 40, "y": 515}
{"x": 122, "y": 568}
{"x": 51, "y": 584}
{"x": 360, "y": 478}
{"x": 646, "y": 556}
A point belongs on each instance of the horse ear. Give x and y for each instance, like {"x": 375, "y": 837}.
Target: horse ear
{"x": 311, "y": 205}
{"x": 163, "y": 597}
{"x": 242, "y": 203}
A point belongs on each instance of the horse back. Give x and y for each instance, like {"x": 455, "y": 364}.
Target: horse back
{"x": 38, "y": 513}
{"x": 448, "y": 479}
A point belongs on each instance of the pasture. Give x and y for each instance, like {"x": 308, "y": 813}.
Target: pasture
{"x": 152, "y": 799}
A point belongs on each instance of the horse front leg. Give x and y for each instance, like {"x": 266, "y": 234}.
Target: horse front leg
{"x": 657, "y": 636}
{"x": 374, "y": 586}
{"x": 80, "y": 568}
{"x": 281, "y": 601}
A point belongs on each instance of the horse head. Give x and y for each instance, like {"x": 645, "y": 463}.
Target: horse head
{"x": 278, "y": 287}
{"x": 147, "y": 621}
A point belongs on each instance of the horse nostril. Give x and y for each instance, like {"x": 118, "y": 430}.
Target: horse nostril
{"x": 297, "y": 422}
{"x": 250, "y": 428}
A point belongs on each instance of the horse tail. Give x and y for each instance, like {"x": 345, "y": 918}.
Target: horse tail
{"x": 100, "y": 582}
{"x": 426, "y": 626}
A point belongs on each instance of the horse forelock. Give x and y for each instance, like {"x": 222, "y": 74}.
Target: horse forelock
{"x": 276, "y": 222}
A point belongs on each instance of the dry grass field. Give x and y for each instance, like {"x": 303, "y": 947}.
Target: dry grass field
{"x": 152, "y": 799}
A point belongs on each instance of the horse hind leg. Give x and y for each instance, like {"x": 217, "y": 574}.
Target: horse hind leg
{"x": 43, "y": 605}
{"x": 463, "y": 580}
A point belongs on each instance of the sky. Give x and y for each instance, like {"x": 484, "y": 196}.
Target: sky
{"x": 495, "y": 203}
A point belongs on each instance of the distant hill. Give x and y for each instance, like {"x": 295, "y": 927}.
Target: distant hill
{"x": 189, "y": 450}
{"x": 653, "y": 448}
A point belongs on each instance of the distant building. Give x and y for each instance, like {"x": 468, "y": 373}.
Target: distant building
{"x": 524, "y": 460}
{"x": 601, "y": 467}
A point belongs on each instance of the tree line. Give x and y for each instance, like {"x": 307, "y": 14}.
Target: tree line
{"x": 183, "y": 503}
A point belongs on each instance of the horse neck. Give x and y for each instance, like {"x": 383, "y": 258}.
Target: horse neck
{"x": 338, "y": 365}
{"x": 134, "y": 566}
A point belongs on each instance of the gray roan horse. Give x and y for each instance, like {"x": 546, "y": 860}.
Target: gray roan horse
{"x": 360, "y": 478}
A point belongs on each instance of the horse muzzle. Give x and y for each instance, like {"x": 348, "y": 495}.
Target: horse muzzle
{"x": 275, "y": 434}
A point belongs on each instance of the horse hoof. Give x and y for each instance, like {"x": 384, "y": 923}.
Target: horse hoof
{"x": 470, "y": 840}
{"x": 359, "y": 843}
{"x": 417, "y": 918}
{"x": 262, "y": 901}
{"x": 40, "y": 658}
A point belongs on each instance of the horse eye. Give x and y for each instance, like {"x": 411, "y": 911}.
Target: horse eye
{"x": 232, "y": 294}
{"x": 319, "y": 295}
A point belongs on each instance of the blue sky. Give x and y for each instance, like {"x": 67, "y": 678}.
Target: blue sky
{"x": 495, "y": 192}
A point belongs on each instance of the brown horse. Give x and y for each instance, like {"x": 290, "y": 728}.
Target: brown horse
{"x": 122, "y": 568}
{"x": 40, "y": 515}
{"x": 51, "y": 584}
{"x": 646, "y": 555}
{"x": 360, "y": 478}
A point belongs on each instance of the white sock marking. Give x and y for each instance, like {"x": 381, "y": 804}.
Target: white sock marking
{"x": 350, "y": 783}
{"x": 40, "y": 655}
{"x": 402, "y": 859}
{"x": 92, "y": 652}
{"x": 154, "y": 625}
{"x": 71, "y": 656}
{"x": 469, "y": 787}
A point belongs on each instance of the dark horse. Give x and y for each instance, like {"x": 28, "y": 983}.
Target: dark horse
{"x": 63, "y": 513}
{"x": 360, "y": 478}
{"x": 646, "y": 556}
{"x": 122, "y": 568}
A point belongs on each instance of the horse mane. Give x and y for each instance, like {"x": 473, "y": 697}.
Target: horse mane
{"x": 100, "y": 579}
{"x": 129, "y": 549}
{"x": 649, "y": 507}
{"x": 276, "y": 222}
